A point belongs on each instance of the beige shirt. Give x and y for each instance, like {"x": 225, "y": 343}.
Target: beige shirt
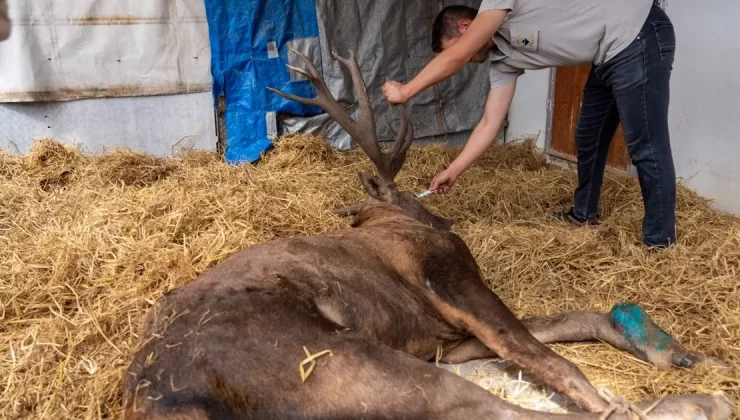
{"x": 539, "y": 34}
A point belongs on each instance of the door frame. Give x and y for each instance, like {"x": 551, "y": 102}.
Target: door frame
{"x": 551, "y": 110}
{"x": 549, "y": 153}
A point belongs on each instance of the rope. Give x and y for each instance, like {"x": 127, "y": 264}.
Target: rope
{"x": 620, "y": 405}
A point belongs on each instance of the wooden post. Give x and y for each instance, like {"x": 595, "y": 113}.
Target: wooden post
{"x": 221, "y": 126}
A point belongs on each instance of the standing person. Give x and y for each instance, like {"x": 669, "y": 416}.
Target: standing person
{"x": 4, "y": 21}
{"x": 630, "y": 45}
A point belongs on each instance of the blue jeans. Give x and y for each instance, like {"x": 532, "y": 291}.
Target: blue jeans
{"x": 632, "y": 87}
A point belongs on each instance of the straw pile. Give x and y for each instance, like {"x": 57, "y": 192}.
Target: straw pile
{"x": 89, "y": 243}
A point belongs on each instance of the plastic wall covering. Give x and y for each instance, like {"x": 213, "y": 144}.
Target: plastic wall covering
{"x": 76, "y": 49}
{"x": 250, "y": 43}
{"x": 391, "y": 39}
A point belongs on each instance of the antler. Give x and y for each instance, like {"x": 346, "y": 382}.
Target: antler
{"x": 362, "y": 131}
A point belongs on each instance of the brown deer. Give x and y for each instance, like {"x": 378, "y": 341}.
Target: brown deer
{"x": 343, "y": 325}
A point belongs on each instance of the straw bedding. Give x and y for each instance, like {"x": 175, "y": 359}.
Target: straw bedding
{"x": 89, "y": 243}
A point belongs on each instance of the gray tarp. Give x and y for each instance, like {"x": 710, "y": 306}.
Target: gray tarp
{"x": 391, "y": 39}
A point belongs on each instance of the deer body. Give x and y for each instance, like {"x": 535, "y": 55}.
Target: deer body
{"x": 365, "y": 279}
{"x": 375, "y": 302}
{"x": 260, "y": 307}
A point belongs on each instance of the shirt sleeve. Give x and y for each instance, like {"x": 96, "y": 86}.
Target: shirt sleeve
{"x": 499, "y": 77}
{"x": 486, "y": 5}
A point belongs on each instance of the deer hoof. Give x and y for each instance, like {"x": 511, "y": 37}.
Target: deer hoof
{"x": 649, "y": 342}
{"x": 642, "y": 334}
{"x": 716, "y": 363}
{"x": 715, "y": 406}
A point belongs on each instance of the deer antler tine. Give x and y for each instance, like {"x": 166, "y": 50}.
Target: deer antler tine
{"x": 399, "y": 142}
{"x": 325, "y": 100}
{"x": 312, "y": 74}
{"x": 342, "y": 59}
{"x": 366, "y": 137}
{"x": 301, "y": 71}
{"x": 360, "y": 90}
{"x": 300, "y": 99}
{"x": 402, "y": 143}
{"x": 311, "y": 68}
{"x": 362, "y": 131}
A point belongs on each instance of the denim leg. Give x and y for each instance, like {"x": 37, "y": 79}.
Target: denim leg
{"x": 640, "y": 78}
{"x": 597, "y": 123}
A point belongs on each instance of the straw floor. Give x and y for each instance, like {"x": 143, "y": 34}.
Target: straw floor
{"x": 87, "y": 244}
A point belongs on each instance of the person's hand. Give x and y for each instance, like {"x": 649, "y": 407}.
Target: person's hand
{"x": 443, "y": 182}
{"x": 395, "y": 92}
{"x": 4, "y": 21}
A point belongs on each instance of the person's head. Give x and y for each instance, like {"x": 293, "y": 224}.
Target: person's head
{"x": 449, "y": 25}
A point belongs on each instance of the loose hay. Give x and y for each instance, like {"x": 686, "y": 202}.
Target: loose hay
{"x": 310, "y": 360}
{"x": 132, "y": 168}
{"x": 89, "y": 243}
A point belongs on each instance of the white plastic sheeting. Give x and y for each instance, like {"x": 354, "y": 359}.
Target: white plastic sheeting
{"x": 75, "y": 49}
{"x": 162, "y": 125}
{"x": 63, "y": 50}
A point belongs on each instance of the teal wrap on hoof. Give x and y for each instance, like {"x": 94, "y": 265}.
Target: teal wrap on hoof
{"x": 648, "y": 341}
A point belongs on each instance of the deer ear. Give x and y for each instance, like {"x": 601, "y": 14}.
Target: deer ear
{"x": 376, "y": 187}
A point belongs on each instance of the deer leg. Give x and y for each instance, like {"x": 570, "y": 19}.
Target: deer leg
{"x": 477, "y": 309}
{"x": 365, "y": 379}
{"x": 470, "y": 349}
{"x": 691, "y": 406}
{"x": 474, "y": 307}
{"x": 626, "y": 327}
{"x": 369, "y": 380}
{"x": 376, "y": 382}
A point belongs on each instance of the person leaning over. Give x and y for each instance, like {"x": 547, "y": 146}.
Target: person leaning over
{"x": 630, "y": 46}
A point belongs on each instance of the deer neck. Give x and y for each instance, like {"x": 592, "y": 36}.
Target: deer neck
{"x": 377, "y": 213}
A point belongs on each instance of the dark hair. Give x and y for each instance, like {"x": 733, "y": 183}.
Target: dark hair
{"x": 445, "y": 24}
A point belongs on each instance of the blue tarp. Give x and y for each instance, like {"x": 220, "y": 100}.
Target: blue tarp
{"x": 239, "y": 32}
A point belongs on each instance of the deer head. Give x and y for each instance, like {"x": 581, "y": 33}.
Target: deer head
{"x": 381, "y": 187}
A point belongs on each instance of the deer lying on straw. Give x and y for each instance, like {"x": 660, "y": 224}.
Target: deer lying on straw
{"x": 343, "y": 325}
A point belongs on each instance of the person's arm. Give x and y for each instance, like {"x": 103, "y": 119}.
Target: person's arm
{"x": 484, "y": 134}
{"x": 453, "y": 59}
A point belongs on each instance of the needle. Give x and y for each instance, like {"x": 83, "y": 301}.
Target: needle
{"x": 425, "y": 193}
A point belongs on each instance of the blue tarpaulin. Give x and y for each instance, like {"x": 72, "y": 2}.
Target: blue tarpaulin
{"x": 249, "y": 48}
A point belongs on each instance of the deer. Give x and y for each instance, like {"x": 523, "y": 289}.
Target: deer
{"x": 347, "y": 324}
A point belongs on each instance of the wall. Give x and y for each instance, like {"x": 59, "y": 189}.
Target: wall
{"x": 528, "y": 111}
{"x": 705, "y": 99}
{"x": 159, "y": 125}
{"x": 82, "y": 49}
{"x": 106, "y": 74}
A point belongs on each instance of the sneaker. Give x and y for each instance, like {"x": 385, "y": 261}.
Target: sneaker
{"x": 656, "y": 249}
{"x": 571, "y": 218}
